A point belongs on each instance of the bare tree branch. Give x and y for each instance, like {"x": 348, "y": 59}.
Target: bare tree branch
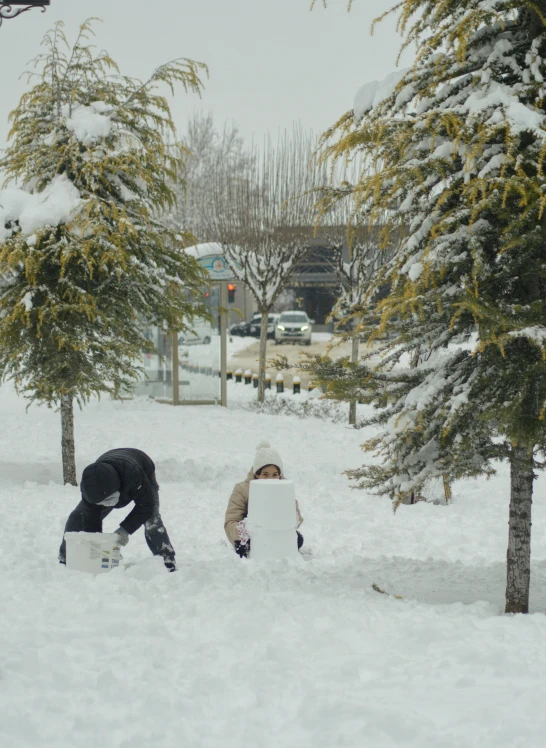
{"x": 264, "y": 221}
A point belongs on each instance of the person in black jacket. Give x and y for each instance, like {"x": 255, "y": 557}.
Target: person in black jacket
{"x": 117, "y": 478}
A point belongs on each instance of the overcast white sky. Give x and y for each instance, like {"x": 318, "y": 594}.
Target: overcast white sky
{"x": 272, "y": 62}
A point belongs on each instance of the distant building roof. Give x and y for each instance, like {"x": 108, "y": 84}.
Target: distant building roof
{"x": 204, "y": 250}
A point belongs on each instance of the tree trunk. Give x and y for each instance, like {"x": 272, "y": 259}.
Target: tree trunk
{"x": 67, "y": 440}
{"x": 518, "y": 556}
{"x": 354, "y": 359}
{"x": 261, "y": 360}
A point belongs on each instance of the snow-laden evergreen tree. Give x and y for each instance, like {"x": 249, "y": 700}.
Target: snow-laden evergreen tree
{"x": 85, "y": 259}
{"x": 459, "y": 152}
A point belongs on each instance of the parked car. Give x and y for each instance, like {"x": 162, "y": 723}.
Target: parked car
{"x": 243, "y": 328}
{"x": 256, "y": 325}
{"x": 293, "y": 327}
{"x": 201, "y": 333}
{"x": 240, "y": 328}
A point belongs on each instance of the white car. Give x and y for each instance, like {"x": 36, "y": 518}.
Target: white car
{"x": 201, "y": 333}
{"x": 293, "y": 327}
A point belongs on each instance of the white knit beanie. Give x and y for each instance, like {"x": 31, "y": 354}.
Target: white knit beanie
{"x": 266, "y": 455}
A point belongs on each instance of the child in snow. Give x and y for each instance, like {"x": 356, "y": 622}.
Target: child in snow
{"x": 118, "y": 478}
{"x": 267, "y": 466}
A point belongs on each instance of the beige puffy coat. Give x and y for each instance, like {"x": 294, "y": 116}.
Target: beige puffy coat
{"x": 237, "y": 508}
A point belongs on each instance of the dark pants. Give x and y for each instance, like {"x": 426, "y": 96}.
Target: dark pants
{"x": 155, "y": 531}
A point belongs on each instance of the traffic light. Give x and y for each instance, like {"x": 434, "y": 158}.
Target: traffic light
{"x": 231, "y": 292}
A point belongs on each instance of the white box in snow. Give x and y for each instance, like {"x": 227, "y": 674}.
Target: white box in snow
{"x": 272, "y": 519}
{"x": 93, "y": 552}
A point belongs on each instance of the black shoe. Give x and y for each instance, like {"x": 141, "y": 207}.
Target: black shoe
{"x": 170, "y": 565}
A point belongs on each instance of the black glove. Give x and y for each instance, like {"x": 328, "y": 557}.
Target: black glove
{"x": 242, "y": 549}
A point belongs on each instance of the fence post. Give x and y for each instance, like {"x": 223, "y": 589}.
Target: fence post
{"x": 239, "y": 375}
{"x": 255, "y": 379}
{"x": 280, "y": 382}
{"x": 268, "y": 381}
{"x": 296, "y": 385}
{"x": 248, "y": 376}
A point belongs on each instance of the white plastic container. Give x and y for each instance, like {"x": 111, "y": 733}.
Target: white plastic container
{"x": 93, "y": 552}
{"x": 272, "y": 519}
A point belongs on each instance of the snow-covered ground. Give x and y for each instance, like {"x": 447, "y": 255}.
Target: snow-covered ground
{"x": 229, "y": 652}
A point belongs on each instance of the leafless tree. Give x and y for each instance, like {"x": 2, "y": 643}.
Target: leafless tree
{"x": 286, "y": 300}
{"x": 206, "y": 146}
{"x": 264, "y": 222}
{"x": 358, "y": 252}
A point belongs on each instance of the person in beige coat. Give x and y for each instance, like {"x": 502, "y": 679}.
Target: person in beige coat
{"x": 267, "y": 466}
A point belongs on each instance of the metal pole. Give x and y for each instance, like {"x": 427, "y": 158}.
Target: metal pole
{"x": 223, "y": 342}
{"x": 176, "y": 388}
{"x": 13, "y": 9}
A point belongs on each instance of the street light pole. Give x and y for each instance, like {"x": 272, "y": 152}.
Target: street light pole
{"x": 15, "y": 7}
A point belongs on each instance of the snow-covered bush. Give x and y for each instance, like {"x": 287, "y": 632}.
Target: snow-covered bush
{"x": 289, "y": 405}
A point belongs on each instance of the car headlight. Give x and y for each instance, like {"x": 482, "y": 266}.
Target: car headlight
{"x": 281, "y": 327}
{"x": 305, "y": 327}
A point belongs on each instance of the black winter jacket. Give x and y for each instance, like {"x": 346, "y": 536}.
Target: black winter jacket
{"x": 136, "y": 473}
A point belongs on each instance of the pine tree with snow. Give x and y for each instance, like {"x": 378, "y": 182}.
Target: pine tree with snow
{"x": 85, "y": 260}
{"x": 459, "y": 150}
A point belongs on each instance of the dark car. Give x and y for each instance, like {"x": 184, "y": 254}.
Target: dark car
{"x": 256, "y": 325}
{"x": 243, "y": 329}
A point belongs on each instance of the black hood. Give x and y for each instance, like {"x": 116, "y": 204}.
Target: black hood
{"x": 99, "y": 480}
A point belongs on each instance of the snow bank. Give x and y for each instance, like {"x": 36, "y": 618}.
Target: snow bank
{"x": 229, "y": 652}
